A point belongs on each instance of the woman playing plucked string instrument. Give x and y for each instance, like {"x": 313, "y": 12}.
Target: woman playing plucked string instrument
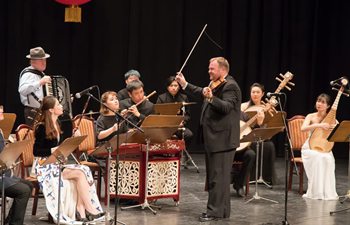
{"x": 319, "y": 166}
{"x": 257, "y": 92}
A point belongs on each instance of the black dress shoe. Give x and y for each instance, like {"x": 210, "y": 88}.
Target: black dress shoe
{"x": 205, "y": 218}
{"x": 79, "y": 218}
{"x": 240, "y": 192}
{"x": 92, "y": 217}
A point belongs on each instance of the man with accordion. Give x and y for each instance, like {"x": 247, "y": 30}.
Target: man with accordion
{"x": 31, "y": 82}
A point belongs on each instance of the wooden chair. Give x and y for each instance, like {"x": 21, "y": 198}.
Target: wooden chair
{"x": 87, "y": 127}
{"x": 237, "y": 165}
{"x": 27, "y": 157}
{"x": 298, "y": 138}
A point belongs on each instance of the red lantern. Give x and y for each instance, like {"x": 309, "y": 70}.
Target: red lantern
{"x": 73, "y": 11}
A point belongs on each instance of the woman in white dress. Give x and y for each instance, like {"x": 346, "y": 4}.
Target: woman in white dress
{"x": 79, "y": 202}
{"x": 319, "y": 166}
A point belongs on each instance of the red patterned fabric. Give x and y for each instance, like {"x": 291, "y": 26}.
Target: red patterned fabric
{"x": 72, "y": 2}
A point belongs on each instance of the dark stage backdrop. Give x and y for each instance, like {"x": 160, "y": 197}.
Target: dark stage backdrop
{"x": 260, "y": 38}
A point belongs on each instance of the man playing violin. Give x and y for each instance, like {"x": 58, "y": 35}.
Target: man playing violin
{"x": 219, "y": 131}
{"x": 137, "y": 107}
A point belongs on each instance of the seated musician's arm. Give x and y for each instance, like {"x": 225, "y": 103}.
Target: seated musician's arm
{"x": 103, "y": 131}
{"x": 41, "y": 147}
{"x": 308, "y": 125}
{"x": 244, "y": 106}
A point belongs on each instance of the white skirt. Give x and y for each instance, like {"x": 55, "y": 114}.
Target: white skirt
{"x": 48, "y": 180}
{"x": 320, "y": 171}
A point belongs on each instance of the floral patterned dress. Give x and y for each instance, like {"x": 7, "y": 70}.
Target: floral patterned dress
{"x": 48, "y": 177}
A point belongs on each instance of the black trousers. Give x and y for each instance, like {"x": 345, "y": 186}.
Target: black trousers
{"x": 247, "y": 156}
{"x": 218, "y": 168}
{"x": 187, "y": 135}
{"x": 20, "y": 192}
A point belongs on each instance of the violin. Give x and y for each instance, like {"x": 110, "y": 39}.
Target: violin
{"x": 213, "y": 85}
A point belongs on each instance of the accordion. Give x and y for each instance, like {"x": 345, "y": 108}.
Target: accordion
{"x": 59, "y": 87}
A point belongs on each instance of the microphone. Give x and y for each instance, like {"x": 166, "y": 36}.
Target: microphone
{"x": 84, "y": 92}
{"x": 269, "y": 94}
{"x": 333, "y": 82}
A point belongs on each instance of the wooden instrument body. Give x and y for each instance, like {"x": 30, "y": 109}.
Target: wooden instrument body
{"x": 318, "y": 138}
{"x": 244, "y": 131}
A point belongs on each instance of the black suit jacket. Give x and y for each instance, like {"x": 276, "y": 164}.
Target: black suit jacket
{"x": 219, "y": 121}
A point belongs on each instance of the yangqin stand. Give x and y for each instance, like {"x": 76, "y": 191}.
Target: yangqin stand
{"x": 157, "y": 129}
{"x": 341, "y": 133}
{"x": 259, "y": 135}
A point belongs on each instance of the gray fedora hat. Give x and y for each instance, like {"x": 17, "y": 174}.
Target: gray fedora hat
{"x": 37, "y": 53}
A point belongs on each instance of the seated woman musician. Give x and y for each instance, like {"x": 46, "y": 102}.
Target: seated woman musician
{"x": 107, "y": 122}
{"x": 257, "y": 91}
{"x": 172, "y": 95}
{"x": 246, "y": 155}
{"x": 137, "y": 107}
{"x": 79, "y": 201}
{"x": 319, "y": 166}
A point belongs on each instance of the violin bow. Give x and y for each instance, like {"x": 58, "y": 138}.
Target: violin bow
{"x": 194, "y": 46}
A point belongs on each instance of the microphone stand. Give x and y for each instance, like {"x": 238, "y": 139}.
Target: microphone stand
{"x": 118, "y": 117}
{"x": 285, "y": 221}
{"x": 185, "y": 149}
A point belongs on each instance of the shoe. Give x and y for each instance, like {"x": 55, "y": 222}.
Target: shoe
{"x": 79, "y": 218}
{"x": 206, "y": 218}
{"x": 92, "y": 217}
{"x": 240, "y": 192}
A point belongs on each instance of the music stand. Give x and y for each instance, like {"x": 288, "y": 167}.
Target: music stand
{"x": 258, "y": 135}
{"x": 167, "y": 108}
{"x": 59, "y": 156}
{"x": 156, "y": 129}
{"x": 276, "y": 120}
{"x": 8, "y": 157}
{"x": 7, "y": 123}
{"x": 341, "y": 133}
